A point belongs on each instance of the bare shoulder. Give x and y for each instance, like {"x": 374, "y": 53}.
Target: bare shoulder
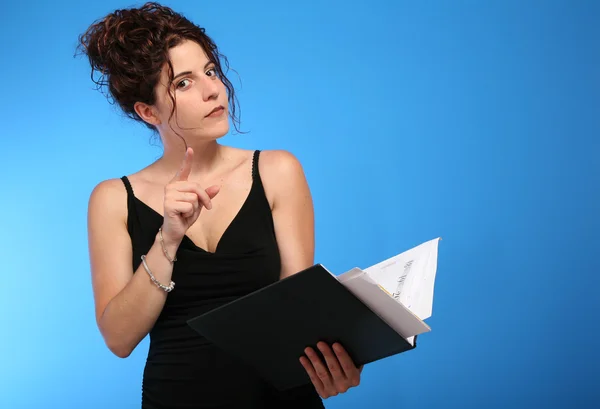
{"x": 109, "y": 186}
{"x": 108, "y": 197}
{"x": 282, "y": 174}
{"x": 280, "y": 161}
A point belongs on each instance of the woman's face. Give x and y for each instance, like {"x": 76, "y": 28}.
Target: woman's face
{"x": 200, "y": 95}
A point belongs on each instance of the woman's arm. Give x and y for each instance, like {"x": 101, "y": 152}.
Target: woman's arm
{"x": 293, "y": 213}
{"x": 127, "y": 305}
{"x": 293, "y": 216}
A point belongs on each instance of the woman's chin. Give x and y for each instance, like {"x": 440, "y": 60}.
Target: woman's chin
{"x": 214, "y": 132}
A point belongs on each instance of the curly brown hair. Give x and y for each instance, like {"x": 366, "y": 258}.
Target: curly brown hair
{"x": 129, "y": 47}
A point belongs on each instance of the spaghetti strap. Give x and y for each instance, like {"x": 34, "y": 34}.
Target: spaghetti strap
{"x": 255, "y": 156}
{"x": 127, "y": 186}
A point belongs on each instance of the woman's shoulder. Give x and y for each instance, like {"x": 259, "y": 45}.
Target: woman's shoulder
{"x": 279, "y": 164}
{"x": 282, "y": 175}
{"x": 114, "y": 189}
{"x": 106, "y": 201}
{"x": 108, "y": 189}
{"x": 273, "y": 163}
{"x": 275, "y": 157}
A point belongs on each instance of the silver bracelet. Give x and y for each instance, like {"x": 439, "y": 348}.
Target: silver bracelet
{"x": 162, "y": 243}
{"x": 154, "y": 280}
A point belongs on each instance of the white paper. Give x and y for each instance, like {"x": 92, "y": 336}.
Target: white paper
{"x": 391, "y": 311}
{"x": 410, "y": 277}
{"x": 399, "y": 289}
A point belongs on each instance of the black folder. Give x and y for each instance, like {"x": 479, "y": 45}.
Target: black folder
{"x": 270, "y": 328}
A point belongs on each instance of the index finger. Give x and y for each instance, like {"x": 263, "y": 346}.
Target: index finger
{"x": 186, "y": 167}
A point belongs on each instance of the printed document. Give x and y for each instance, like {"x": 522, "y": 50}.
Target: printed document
{"x": 399, "y": 289}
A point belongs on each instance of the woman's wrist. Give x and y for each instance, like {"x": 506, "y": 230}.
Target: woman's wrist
{"x": 168, "y": 245}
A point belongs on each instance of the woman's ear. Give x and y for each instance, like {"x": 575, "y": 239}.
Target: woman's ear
{"x": 147, "y": 113}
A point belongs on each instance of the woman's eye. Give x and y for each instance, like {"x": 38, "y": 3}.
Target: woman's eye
{"x": 182, "y": 83}
{"x": 211, "y": 72}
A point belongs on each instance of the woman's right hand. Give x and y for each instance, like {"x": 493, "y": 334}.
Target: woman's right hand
{"x": 183, "y": 202}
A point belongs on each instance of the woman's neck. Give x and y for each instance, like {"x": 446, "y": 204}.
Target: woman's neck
{"x": 206, "y": 157}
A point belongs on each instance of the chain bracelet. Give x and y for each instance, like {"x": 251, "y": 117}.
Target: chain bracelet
{"x": 162, "y": 243}
{"x": 154, "y": 280}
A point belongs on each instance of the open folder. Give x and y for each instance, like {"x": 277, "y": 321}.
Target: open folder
{"x": 373, "y": 313}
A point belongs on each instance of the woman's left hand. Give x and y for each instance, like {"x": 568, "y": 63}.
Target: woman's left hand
{"x": 336, "y": 375}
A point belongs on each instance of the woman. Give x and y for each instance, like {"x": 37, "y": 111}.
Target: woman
{"x": 199, "y": 227}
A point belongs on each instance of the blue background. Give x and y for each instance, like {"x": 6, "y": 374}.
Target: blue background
{"x": 474, "y": 121}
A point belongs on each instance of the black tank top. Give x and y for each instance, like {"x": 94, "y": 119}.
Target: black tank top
{"x": 183, "y": 369}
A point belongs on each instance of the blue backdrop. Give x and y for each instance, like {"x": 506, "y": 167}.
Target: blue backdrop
{"x": 474, "y": 121}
